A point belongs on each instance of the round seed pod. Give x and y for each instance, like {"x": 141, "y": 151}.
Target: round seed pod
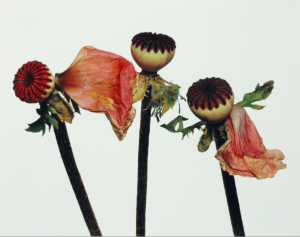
{"x": 33, "y": 82}
{"x": 211, "y": 99}
{"x": 152, "y": 51}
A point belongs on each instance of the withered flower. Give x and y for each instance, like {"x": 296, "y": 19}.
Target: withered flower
{"x": 244, "y": 152}
{"x": 99, "y": 81}
{"x": 211, "y": 99}
{"x": 152, "y": 51}
{"x": 33, "y": 82}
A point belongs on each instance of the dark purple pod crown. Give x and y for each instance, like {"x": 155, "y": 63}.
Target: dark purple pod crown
{"x": 154, "y": 42}
{"x": 209, "y": 93}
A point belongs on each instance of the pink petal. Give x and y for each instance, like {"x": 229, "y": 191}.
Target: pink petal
{"x": 244, "y": 152}
{"x": 99, "y": 81}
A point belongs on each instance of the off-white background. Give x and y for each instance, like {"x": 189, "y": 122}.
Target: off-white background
{"x": 244, "y": 42}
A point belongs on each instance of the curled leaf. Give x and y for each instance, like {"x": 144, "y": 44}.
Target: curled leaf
{"x": 185, "y": 131}
{"x": 37, "y": 126}
{"x": 205, "y": 139}
{"x": 260, "y": 93}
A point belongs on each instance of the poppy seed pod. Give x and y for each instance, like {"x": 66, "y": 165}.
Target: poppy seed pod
{"x": 211, "y": 99}
{"x": 33, "y": 82}
{"x": 152, "y": 51}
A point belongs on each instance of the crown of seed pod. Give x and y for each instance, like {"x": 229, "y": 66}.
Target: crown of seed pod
{"x": 33, "y": 82}
{"x": 152, "y": 51}
{"x": 211, "y": 99}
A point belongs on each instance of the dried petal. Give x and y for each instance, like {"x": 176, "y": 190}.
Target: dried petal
{"x": 244, "y": 152}
{"x": 99, "y": 81}
{"x": 139, "y": 87}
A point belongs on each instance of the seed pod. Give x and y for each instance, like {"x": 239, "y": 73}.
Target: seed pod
{"x": 211, "y": 99}
{"x": 151, "y": 51}
{"x": 33, "y": 82}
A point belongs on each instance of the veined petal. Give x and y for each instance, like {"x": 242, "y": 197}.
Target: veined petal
{"x": 99, "y": 81}
{"x": 244, "y": 152}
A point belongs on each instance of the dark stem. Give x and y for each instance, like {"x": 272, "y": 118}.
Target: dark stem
{"x": 231, "y": 195}
{"x": 65, "y": 149}
{"x": 143, "y": 164}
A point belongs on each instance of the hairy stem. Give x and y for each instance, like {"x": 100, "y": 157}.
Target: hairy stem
{"x": 231, "y": 195}
{"x": 143, "y": 164}
{"x": 65, "y": 149}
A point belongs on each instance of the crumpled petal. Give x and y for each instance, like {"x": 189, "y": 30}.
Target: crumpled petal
{"x": 244, "y": 152}
{"x": 139, "y": 87}
{"x": 99, "y": 81}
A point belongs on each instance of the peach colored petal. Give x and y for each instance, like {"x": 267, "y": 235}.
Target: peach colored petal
{"x": 244, "y": 152}
{"x": 99, "y": 81}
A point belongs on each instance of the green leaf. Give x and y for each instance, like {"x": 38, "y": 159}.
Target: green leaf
{"x": 52, "y": 120}
{"x": 37, "y": 126}
{"x": 52, "y": 110}
{"x": 164, "y": 96}
{"x": 260, "y": 93}
{"x": 185, "y": 131}
{"x": 206, "y": 139}
{"x": 171, "y": 125}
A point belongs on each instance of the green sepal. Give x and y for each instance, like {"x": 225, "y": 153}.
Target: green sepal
{"x": 223, "y": 132}
{"x": 205, "y": 139}
{"x": 52, "y": 110}
{"x": 260, "y": 93}
{"x": 37, "y": 126}
{"x": 52, "y": 120}
{"x": 185, "y": 131}
{"x": 62, "y": 107}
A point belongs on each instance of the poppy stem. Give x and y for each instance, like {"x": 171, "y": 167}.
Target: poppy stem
{"x": 231, "y": 195}
{"x": 67, "y": 156}
{"x": 143, "y": 164}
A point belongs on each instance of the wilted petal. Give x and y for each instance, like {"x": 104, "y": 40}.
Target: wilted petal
{"x": 99, "y": 81}
{"x": 244, "y": 152}
{"x": 139, "y": 87}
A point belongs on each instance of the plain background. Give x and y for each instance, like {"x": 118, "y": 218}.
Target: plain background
{"x": 244, "y": 42}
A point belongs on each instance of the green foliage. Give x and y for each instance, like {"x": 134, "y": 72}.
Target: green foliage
{"x": 185, "y": 131}
{"x": 164, "y": 96}
{"x": 260, "y": 93}
{"x": 51, "y": 111}
{"x": 206, "y": 139}
{"x": 37, "y": 126}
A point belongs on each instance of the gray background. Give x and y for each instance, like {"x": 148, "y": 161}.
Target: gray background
{"x": 244, "y": 42}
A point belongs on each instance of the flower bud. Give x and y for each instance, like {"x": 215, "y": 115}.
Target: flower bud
{"x": 33, "y": 82}
{"x": 151, "y": 51}
{"x": 211, "y": 99}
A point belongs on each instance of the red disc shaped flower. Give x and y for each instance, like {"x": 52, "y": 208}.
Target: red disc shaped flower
{"x": 33, "y": 82}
